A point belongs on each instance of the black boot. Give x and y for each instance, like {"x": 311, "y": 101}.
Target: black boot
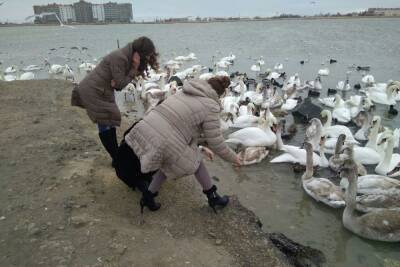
{"x": 109, "y": 140}
{"x": 214, "y": 199}
{"x": 148, "y": 201}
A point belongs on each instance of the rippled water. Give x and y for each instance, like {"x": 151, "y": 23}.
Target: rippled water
{"x": 272, "y": 191}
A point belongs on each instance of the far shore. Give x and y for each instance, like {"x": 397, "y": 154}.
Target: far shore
{"x": 212, "y": 21}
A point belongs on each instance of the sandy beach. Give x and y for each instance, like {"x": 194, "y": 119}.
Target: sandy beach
{"x": 62, "y": 204}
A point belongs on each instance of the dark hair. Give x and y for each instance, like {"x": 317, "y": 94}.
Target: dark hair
{"x": 219, "y": 84}
{"x": 148, "y": 54}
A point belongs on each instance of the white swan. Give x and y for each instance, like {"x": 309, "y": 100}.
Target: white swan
{"x": 343, "y": 86}
{"x": 27, "y": 76}
{"x": 11, "y": 69}
{"x": 379, "y": 225}
{"x": 32, "y": 68}
{"x": 368, "y": 80}
{"x": 373, "y": 135}
{"x": 56, "y": 69}
{"x": 328, "y": 101}
{"x": 292, "y": 154}
{"x": 320, "y": 189}
{"x": 386, "y": 97}
{"x": 254, "y": 136}
{"x": 87, "y": 67}
{"x": 335, "y": 130}
{"x": 289, "y": 104}
{"x": 261, "y": 61}
{"x": 246, "y": 118}
{"x": 362, "y": 133}
{"x": 256, "y": 68}
{"x": 390, "y": 160}
{"x": 10, "y": 78}
{"x": 230, "y": 58}
{"x": 295, "y": 80}
{"x": 340, "y": 111}
{"x": 14, "y": 74}
{"x": 278, "y": 66}
{"x": 323, "y": 72}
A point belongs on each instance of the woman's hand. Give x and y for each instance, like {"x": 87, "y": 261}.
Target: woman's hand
{"x": 238, "y": 162}
{"x": 207, "y": 152}
{"x": 113, "y": 84}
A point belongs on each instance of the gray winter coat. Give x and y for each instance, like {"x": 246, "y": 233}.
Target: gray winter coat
{"x": 95, "y": 94}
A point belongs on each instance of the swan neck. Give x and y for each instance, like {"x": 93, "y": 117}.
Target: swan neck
{"x": 279, "y": 142}
{"x": 351, "y": 191}
{"x": 309, "y": 165}
{"x": 373, "y": 136}
{"x": 338, "y": 147}
{"x": 328, "y": 122}
{"x": 322, "y": 151}
{"x": 389, "y": 151}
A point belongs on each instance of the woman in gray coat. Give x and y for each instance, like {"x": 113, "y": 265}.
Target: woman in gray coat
{"x": 95, "y": 92}
{"x": 165, "y": 142}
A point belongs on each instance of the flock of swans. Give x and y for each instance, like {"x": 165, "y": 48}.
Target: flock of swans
{"x": 253, "y": 116}
{"x": 250, "y": 116}
{"x": 13, "y": 73}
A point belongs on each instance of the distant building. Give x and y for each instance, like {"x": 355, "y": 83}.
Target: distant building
{"x": 115, "y": 12}
{"x": 67, "y": 13}
{"x": 388, "y": 12}
{"x": 98, "y": 12}
{"x": 83, "y": 12}
{"x": 50, "y": 8}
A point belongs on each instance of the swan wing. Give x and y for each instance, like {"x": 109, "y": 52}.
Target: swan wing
{"x": 285, "y": 157}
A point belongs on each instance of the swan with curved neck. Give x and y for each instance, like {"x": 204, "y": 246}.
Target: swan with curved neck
{"x": 314, "y": 133}
{"x": 335, "y": 130}
{"x": 381, "y": 225}
{"x": 255, "y": 136}
{"x": 362, "y": 133}
{"x": 384, "y": 98}
{"x": 373, "y": 135}
{"x": 390, "y": 160}
{"x": 320, "y": 189}
{"x": 293, "y": 154}
{"x": 247, "y": 119}
{"x": 340, "y": 111}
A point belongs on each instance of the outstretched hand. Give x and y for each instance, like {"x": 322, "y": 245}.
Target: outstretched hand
{"x": 207, "y": 152}
{"x": 238, "y": 162}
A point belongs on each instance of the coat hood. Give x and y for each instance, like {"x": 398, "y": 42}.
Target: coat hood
{"x": 197, "y": 87}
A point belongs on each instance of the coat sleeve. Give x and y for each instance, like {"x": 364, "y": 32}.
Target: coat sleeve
{"x": 213, "y": 135}
{"x": 118, "y": 73}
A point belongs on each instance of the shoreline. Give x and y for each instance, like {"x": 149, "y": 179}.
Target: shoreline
{"x": 202, "y": 22}
{"x": 75, "y": 212}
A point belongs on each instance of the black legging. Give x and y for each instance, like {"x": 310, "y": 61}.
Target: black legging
{"x": 127, "y": 167}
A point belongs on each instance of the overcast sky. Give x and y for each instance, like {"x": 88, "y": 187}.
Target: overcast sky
{"x": 18, "y": 10}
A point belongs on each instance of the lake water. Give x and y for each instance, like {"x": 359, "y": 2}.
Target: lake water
{"x": 280, "y": 203}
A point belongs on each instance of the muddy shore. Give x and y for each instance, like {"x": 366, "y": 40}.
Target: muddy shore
{"x": 61, "y": 203}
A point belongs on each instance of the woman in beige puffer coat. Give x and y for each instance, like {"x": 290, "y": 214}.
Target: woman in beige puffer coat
{"x": 165, "y": 141}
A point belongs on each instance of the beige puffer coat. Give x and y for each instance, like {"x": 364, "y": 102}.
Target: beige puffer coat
{"x": 167, "y": 136}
